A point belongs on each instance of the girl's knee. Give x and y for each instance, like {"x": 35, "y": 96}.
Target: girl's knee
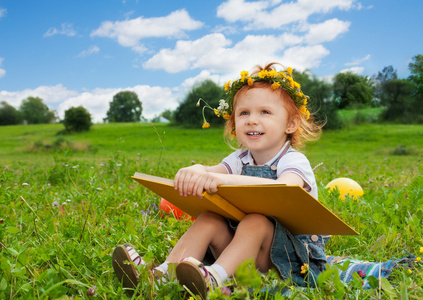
{"x": 210, "y": 220}
{"x": 256, "y": 222}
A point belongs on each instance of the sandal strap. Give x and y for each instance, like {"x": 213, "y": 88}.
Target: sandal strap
{"x": 211, "y": 277}
{"x": 214, "y": 278}
{"x": 133, "y": 254}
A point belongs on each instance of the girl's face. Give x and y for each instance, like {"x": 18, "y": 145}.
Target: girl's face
{"x": 262, "y": 123}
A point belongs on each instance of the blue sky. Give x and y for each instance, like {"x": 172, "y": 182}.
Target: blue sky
{"x": 83, "y": 52}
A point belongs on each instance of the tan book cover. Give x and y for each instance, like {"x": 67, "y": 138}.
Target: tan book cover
{"x": 294, "y": 208}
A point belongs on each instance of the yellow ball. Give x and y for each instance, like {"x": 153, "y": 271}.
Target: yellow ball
{"x": 346, "y": 186}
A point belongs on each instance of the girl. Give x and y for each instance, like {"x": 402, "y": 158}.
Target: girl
{"x": 267, "y": 114}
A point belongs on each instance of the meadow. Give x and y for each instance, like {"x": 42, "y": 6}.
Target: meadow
{"x": 67, "y": 200}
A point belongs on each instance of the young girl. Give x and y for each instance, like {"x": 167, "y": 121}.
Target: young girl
{"x": 267, "y": 114}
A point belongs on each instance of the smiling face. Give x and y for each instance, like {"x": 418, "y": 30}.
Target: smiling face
{"x": 262, "y": 123}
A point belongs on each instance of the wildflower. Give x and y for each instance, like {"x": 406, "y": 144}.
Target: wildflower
{"x": 25, "y": 183}
{"x": 297, "y": 85}
{"x": 276, "y": 85}
{"x": 227, "y": 85}
{"x": 262, "y": 73}
{"x": 222, "y": 105}
{"x": 421, "y": 249}
{"x": 409, "y": 271}
{"x": 304, "y": 268}
{"x": 243, "y": 75}
{"x": 361, "y": 274}
{"x": 250, "y": 81}
{"x": 206, "y": 125}
{"x": 289, "y": 70}
{"x": 418, "y": 259}
{"x": 226, "y": 116}
{"x": 55, "y": 203}
{"x": 216, "y": 112}
{"x": 273, "y": 73}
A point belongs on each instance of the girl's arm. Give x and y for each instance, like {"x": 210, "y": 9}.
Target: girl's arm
{"x": 195, "y": 179}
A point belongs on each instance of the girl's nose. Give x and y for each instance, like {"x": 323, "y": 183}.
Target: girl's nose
{"x": 252, "y": 119}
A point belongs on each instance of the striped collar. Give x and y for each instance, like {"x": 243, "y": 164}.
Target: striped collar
{"x": 247, "y": 158}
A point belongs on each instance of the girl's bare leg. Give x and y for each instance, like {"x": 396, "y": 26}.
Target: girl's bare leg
{"x": 209, "y": 229}
{"x": 253, "y": 239}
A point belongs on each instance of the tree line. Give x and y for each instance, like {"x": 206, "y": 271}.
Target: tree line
{"x": 398, "y": 98}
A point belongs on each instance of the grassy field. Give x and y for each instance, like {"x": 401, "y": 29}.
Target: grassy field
{"x": 67, "y": 200}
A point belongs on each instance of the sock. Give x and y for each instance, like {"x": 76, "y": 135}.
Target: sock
{"x": 220, "y": 271}
{"x": 163, "y": 268}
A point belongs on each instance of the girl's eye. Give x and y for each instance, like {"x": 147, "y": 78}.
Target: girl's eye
{"x": 243, "y": 113}
{"x": 265, "y": 112}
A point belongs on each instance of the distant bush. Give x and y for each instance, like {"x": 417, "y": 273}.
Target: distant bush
{"x": 77, "y": 119}
{"x": 9, "y": 115}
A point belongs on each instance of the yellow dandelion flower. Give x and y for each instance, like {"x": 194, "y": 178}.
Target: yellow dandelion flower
{"x": 307, "y": 114}
{"x": 304, "y": 268}
{"x": 409, "y": 271}
{"x": 273, "y": 73}
{"x": 305, "y": 100}
{"x": 297, "y": 85}
{"x": 227, "y": 85}
{"x": 289, "y": 70}
{"x": 226, "y": 116}
{"x": 418, "y": 259}
{"x": 262, "y": 73}
{"x": 243, "y": 75}
{"x": 421, "y": 249}
{"x": 282, "y": 74}
{"x": 276, "y": 85}
{"x": 233, "y": 132}
{"x": 303, "y": 109}
{"x": 299, "y": 94}
{"x": 206, "y": 125}
{"x": 250, "y": 81}
{"x": 216, "y": 112}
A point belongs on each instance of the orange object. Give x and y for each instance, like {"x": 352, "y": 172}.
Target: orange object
{"x": 169, "y": 208}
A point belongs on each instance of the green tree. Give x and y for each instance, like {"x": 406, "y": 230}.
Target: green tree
{"x": 352, "y": 90}
{"x": 382, "y": 78}
{"x": 77, "y": 119}
{"x": 169, "y": 114}
{"x": 189, "y": 115}
{"x": 34, "y": 111}
{"x": 9, "y": 115}
{"x": 416, "y": 70}
{"x": 321, "y": 104}
{"x": 397, "y": 97}
{"x": 125, "y": 107}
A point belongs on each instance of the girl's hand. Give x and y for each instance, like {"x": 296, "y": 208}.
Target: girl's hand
{"x": 195, "y": 179}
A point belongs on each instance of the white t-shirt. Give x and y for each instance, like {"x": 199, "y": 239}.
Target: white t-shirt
{"x": 288, "y": 160}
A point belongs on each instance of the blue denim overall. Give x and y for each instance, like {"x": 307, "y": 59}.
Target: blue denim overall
{"x": 290, "y": 252}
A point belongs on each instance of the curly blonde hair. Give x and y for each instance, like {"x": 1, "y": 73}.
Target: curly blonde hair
{"x": 309, "y": 129}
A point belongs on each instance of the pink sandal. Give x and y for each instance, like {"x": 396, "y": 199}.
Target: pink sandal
{"x": 197, "y": 278}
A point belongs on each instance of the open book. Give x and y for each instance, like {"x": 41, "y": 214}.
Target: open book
{"x": 292, "y": 206}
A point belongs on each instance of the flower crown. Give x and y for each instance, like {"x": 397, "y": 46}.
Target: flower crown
{"x": 282, "y": 79}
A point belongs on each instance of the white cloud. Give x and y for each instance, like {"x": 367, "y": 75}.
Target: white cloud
{"x": 358, "y": 61}
{"x": 2, "y": 71}
{"x": 302, "y": 58}
{"x": 154, "y": 99}
{"x": 65, "y": 29}
{"x": 187, "y": 53}
{"x": 326, "y": 31}
{"x": 3, "y": 12}
{"x": 89, "y": 51}
{"x": 129, "y": 33}
{"x": 355, "y": 70}
{"x": 212, "y": 52}
{"x": 271, "y": 14}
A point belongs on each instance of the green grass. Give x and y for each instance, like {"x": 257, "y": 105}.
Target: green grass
{"x": 67, "y": 201}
